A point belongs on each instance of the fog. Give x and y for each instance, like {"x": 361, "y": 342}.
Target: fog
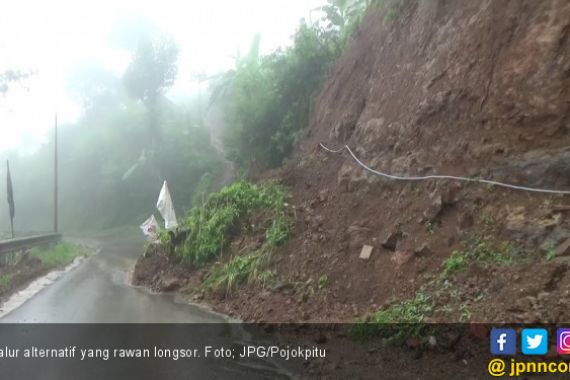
{"x": 141, "y": 89}
{"x": 57, "y": 39}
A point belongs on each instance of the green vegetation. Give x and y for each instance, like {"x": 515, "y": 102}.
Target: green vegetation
{"x": 212, "y": 224}
{"x": 58, "y": 256}
{"x": 398, "y": 322}
{"x": 323, "y": 282}
{"x": 268, "y": 100}
{"x": 550, "y": 254}
{"x": 279, "y": 232}
{"x": 489, "y": 221}
{"x": 223, "y": 214}
{"x": 238, "y": 270}
{"x": 454, "y": 263}
{"x": 392, "y": 12}
{"x": 202, "y": 190}
{"x": 410, "y": 311}
{"x": 5, "y": 282}
{"x": 147, "y": 137}
{"x": 129, "y": 138}
{"x": 152, "y": 71}
{"x": 480, "y": 250}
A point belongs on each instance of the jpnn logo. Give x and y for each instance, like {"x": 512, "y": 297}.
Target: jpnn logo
{"x": 503, "y": 342}
{"x": 534, "y": 341}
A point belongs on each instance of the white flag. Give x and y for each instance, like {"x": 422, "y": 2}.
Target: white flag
{"x": 166, "y": 208}
{"x": 150, "y": 228}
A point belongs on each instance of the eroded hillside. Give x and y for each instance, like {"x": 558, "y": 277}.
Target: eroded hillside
{"x": 473, "y": 89}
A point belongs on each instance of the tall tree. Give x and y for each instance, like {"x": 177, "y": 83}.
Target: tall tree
{"x": 152, "y": 71}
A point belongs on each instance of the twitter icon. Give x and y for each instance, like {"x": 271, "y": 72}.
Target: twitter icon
{"x": 534, "y": 341}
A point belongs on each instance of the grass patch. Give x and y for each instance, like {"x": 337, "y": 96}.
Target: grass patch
{"x": 211, "y": 225}
{"x": 479, "y": 250}
{"x": 248, "y": 268}
{"x": 455, "y": 263}
{"x": 5, "y": 282}
{"x": 550, "y": 254}
{"x": 238, "y": 270}
{"x": 278, "y": 233}
{"x": 323, "y": 282}
{"x": 396, "y": 323}
{"x": 60, "y": 255}
{"x": 409, "y": 311}
{"x": 489, "y": 221}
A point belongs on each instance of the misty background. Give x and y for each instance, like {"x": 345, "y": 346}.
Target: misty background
{"x": 146, "y": 91}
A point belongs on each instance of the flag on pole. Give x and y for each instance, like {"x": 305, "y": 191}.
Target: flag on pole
{"x": 166, "y": 208}
{"x": 150, "y": 228}
{"x": 10, "y": 192}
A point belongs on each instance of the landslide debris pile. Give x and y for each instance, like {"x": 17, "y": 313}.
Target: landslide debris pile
{"x": 475, "y": 89}
{"x": 221, "y": 244}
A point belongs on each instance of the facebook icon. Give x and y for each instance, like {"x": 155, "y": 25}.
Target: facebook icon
{"x": 503, "y": 342}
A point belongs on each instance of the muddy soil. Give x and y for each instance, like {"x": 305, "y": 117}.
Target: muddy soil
{"x": 471, "y": 89}
{"x": 18, "y": 276}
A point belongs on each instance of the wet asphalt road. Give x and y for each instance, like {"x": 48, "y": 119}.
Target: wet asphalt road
{"x": 95, "y": 296}
{"x": 98, "y": 291}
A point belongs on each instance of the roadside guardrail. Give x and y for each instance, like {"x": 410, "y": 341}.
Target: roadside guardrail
{"x": 12, "y": 245}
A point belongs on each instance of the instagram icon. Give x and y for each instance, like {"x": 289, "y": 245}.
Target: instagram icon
{"x": 563, "y": 342}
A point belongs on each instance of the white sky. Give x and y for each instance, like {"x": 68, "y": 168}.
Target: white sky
{"x": 54, "y": 37}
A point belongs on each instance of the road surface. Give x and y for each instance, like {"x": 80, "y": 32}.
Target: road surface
{"x": 97, "y": 299}
{"x": 98, "y": 291}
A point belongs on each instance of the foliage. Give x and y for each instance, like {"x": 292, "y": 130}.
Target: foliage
{"x": 211, "y": 225}
{"x": 391, "y": 14}
{"x": 409, "y": 311}
{"x": 454, "y": 263}
{"x": 153, "y": 68}
{"x": 165, "y": 237}
{"x": 202, "y": 190}
{"x": 268, "y": 100}
{"x": 398, "y": 322}
{"x": 344, "y": 16}
{"x": 58, "y": 256}
{"x": 235, "y": 272}
{"x": 323, "y": 282}
{"x": 108, "y": 170}
{"x": 239, "y": 270}
{"x": 482, "y": 250}
{"x": 279, "y": 231}
{"x": 5, "y": 282}
{"x": 550, "y": 254}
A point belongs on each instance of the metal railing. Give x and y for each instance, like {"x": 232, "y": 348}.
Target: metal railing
{"x": 12, "y": 245}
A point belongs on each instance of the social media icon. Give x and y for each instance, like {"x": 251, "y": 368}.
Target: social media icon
{"x": 563, "y": 341}
{"x": 534, "y": 341}
{"x": 503, "y": 342}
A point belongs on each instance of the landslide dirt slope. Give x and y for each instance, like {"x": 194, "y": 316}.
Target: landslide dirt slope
{"x": 478, "y": 89}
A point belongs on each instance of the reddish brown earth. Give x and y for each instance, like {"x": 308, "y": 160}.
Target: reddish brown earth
{"x": 476, "y": 89}
{"x": 465, "y": 88}
{"x": 16, "y": 277}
